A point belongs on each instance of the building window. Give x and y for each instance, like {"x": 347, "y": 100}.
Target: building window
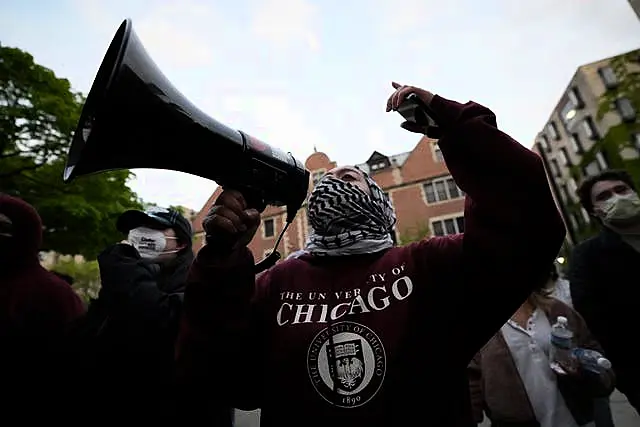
{"x": 562, "y": 189}
{"x": 563, "y": 155}
{"x": 437, "y": 152}
{"x": 269, "y": 228}
{"x": 608, "y": 77}
{"x": 316, "y": 176}
{"x": 576, "y": 144}
{"x": 555, "y": 167}
{"x": 592, "y": 169}
{"x": 570, "y": 109}
{"x": 441, "y": 189}
{"x": 544, "y": 143}
{"x": 378, "y": 166}
{"x": 602, "y": 162}
{"x": 575, "y": 97}
{"x": 589, "y": 128}
{"x": 449, "y": 226}
{"x": 635, "y": 140}
{"x": 568, "y": 113}
{"x": 573, "y": 221}
{"x": 565, "y": 152}
{"x": 585, "y": 215}
{"x": 552, "y": 130}
{"x": 598, "y": 165}
{"x": 572, "y": 187}
{"x": 625, "y": 109}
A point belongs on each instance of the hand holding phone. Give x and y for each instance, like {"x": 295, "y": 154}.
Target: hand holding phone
{"x": 412, "y": 104}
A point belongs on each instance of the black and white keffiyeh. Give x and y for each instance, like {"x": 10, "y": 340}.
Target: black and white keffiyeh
{"x": 347, "y": 221}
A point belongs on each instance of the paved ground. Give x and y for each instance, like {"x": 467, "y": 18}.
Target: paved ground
{"x": 623, "y": 414}
{"x": 247, "y": 418}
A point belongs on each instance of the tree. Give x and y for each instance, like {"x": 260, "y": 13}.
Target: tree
{"x": 38, "y": 112}
{"x": 148, "y": 205}
{"x": 38, "y": 115}
{"x": 413, "y": 234}
{"x": 180, "y": 209}
{"x": 86, "y": 276}
{"x": 79, "y": 217}
{"x": 620, "y": 136}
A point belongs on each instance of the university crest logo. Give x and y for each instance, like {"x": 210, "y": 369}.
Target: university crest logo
{"x": 347, "y": 364}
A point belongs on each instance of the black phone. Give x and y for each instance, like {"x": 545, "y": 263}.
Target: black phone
{"x": 415, "y": 111}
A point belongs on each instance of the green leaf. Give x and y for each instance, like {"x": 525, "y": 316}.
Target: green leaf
{"x": 419, "y": 231}
{"x": 38, "y": 115}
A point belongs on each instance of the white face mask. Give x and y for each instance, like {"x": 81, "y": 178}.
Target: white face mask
{"x": 620, "y": 208}
{"x": 150, "y": 243}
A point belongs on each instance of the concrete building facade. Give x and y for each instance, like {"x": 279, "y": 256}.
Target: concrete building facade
{"x": 590, "y": 129}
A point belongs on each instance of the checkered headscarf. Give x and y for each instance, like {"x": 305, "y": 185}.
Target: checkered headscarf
{"x": 347, "y": 221}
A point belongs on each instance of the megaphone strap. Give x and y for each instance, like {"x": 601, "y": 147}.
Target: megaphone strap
{"x": 271, "y": 259}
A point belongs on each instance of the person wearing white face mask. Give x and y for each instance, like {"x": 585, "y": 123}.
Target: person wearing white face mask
{"x": 603, "y": 275}
{"x": 155, "y": 245}
{"x": 135, "y": 320}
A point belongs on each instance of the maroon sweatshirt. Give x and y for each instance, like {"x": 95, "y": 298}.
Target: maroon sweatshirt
{"x": 381, "y": 339}
{"x": 36, "y": 306}
{"x": 31, "y": 298}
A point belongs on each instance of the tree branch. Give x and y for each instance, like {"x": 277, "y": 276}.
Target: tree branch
{"x": 21, "y": 170}
{"x": 9, "y": 155}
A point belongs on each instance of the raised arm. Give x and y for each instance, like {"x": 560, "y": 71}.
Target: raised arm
{"x": 217, "y": 346}
{"x": 513, "y": 230}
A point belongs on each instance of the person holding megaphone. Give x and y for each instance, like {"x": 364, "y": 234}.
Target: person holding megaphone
{"x": 356, "y": 331}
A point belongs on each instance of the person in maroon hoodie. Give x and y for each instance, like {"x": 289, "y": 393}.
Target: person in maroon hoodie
{"x": 36, "y": 306}
{"x": 358, "y": 332}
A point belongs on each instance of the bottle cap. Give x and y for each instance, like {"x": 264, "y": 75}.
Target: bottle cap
{"x": 562, "y": 320}
{"x": 604, "y": 363}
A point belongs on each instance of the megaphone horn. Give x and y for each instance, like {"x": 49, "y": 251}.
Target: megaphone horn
{"x": 135, "y": 118}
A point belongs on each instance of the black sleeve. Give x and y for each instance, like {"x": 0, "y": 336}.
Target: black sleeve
{"x": 129, "y": 287}
{"x": 583, "y": 280}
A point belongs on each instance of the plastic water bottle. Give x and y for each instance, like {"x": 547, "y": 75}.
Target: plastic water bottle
{"x": 561, "y": 353}
{"x": 591, "y": 360}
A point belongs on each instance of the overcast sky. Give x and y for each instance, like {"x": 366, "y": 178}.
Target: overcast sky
{"x": 305, "y": 73}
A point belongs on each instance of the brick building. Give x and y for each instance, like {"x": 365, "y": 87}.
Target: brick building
{"x": 426, "y": 199}
{"x": 593, "y": 127}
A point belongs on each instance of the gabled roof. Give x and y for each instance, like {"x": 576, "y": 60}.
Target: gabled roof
{"x": 376, "y": 155}
{"x": 397, "y": 160}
